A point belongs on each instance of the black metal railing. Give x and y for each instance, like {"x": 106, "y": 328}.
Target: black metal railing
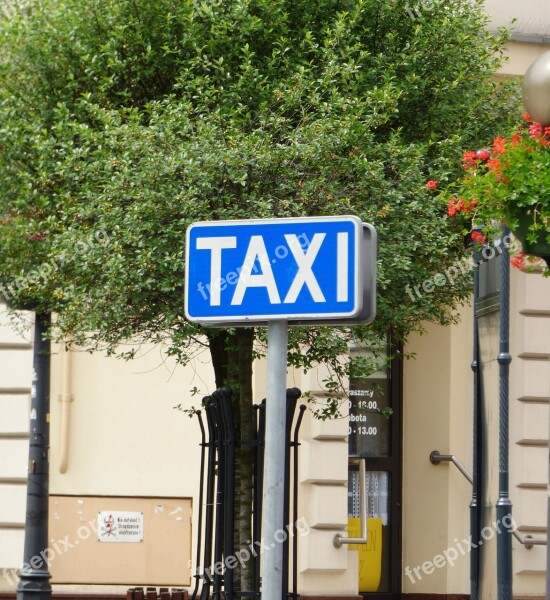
{"x": 217, "y": 554}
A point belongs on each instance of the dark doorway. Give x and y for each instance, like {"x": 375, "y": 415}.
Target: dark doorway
{"x": 376, "y": 436}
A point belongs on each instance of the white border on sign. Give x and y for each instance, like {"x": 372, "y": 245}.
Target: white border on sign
{"x": 262, "y": 319}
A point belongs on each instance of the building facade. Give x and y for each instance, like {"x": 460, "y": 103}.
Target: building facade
{"x": 119, "y": 446}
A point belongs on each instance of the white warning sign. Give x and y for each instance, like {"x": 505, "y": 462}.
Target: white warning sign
{"x": 120, "y": 526}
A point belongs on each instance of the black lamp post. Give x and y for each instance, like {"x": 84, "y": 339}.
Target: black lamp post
{"x": 536, "y": 99}
{"x": 34, "y": 581}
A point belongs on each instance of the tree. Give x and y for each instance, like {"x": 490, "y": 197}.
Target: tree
{"x": 124, "y": 122}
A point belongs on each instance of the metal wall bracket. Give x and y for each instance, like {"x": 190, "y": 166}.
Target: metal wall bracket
{"x": 436, "y": 458}
{"x": 339, "y": 540}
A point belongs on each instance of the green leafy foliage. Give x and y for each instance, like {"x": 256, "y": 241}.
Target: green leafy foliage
{"x": 124, "y": 122}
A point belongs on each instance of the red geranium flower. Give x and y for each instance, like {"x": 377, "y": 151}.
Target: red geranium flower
{"x": 456, "y": 205}
{"x": 535, "y": 130}
{"x": 478, "y": 237}
{"x": 494, "y": 165}
{"x": 483, "y": 154}
{"x": 499, "y": 145}
{"x": 432, "y": 184}
{"x": 518, "y": 261}
{"x": 468, "y": 207}
{"x": 469, "y": 159}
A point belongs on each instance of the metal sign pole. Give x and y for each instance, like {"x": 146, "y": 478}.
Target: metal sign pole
{"x": 274, "y": 467}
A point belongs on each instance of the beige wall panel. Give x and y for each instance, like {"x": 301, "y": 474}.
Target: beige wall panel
{"x": 521, "y": 55}
{"x": 528, "y": 583}
{"x": 529, "y": 421}
{"x": 331, "y": 583}
{"x": 316, "y": 550}
{"x": 14, "y": 457}
{"x": 529, "y": 507}
{"x": 16, "y": 369}
{"x": 333, "y": 429}
{"x": 14, "y": 409}
{"x": 163, "y": 558}
{"x": 9, "y": 579}
{"x": 533, "y": 421}
{"x": 533, "y": 377}
{"x": 13, "y": 499}
{"x": 529, "y": 291}
{"x": 460, "y": 444}
{"x": 529, "y": 561}
{"x": 11, "y": 550}
{"x": 328, "y": 507}
{"x": 323, "y": 462}
{"x": 529, "y": 465}
{"x": 125, "y": 436}
{"x": 316, "y": 553}
{"x": 10, "y": 334}
{"x": 533, "y": 335}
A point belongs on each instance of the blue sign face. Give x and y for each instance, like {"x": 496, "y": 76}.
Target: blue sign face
{"x": 245, "y": 272}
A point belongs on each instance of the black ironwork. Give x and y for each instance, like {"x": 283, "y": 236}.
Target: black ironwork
{"x": 504, "y": 504}
{"x": 220, "y": 555}
{"x": 209, "y": 512}
{"x": 201, "y": 502}
{"x": 34, "y": 577}
{"x": 475, "y": 518}
{"x": 295, "y": 444}
{"x": 258, "y": 469}
{"x": 292, "y": 396}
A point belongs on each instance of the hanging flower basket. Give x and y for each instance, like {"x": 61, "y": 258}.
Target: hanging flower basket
{"x": 509, "y": 184}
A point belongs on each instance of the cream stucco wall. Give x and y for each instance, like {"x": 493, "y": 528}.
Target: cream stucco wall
{"x": 126, "y": 438}
{"x": 520, "y": 55}
{"x": 437, "y": 411}
{"x": 15, "y": 388}
{"x": 529, "y": 402}
{"x": 438, "y": 416}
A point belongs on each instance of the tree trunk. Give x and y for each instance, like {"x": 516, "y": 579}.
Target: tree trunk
{"x": 232, "y": 358}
